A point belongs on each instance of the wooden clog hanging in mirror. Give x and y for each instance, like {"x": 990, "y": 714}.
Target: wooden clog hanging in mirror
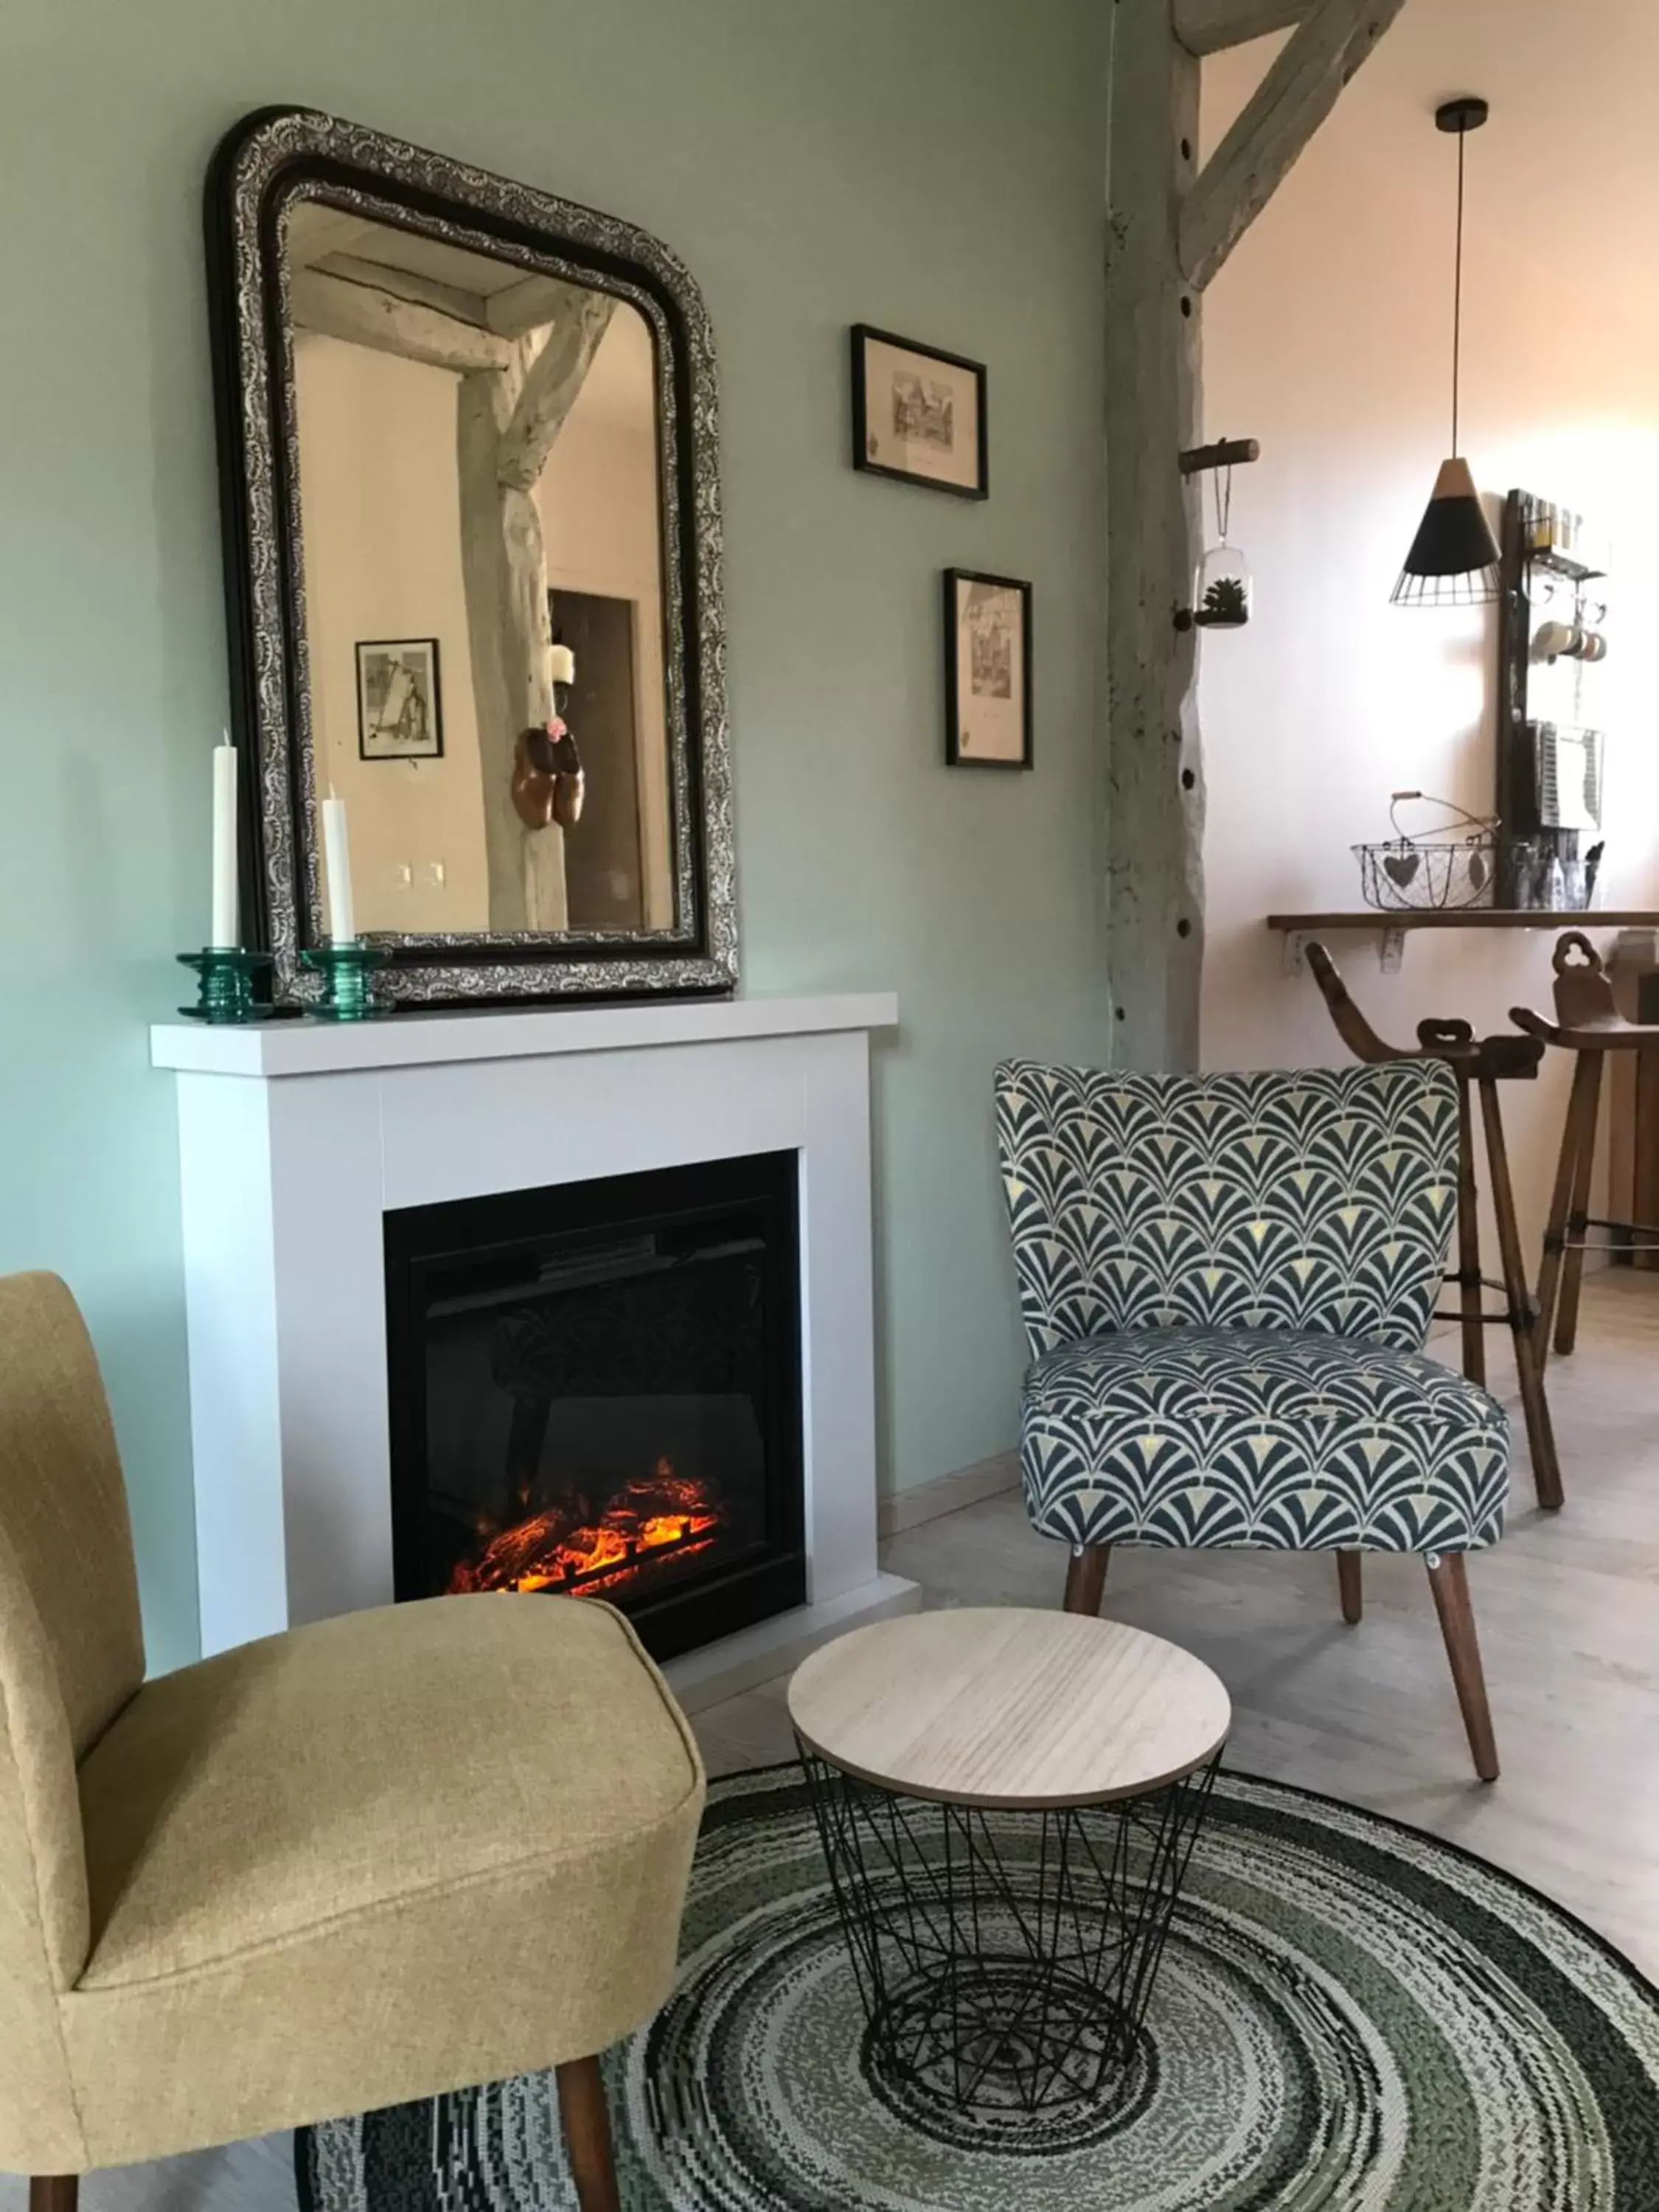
{"x": 1222, "y": 588}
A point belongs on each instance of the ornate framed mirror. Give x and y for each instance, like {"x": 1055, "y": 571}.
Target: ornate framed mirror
{"x": 468, "y": 443}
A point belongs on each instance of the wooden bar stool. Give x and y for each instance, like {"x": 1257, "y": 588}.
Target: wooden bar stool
{"x": 1589, "y": 1024}
{"x": 1479, "y": 1064}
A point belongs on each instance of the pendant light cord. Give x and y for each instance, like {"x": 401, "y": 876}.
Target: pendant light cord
{"x": 1457, "y": 293}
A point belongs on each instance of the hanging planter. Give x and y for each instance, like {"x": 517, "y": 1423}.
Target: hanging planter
{"x": 1222, "y": 589}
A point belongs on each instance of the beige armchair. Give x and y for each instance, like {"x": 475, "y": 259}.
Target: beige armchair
{"x": 370, "y": 1860}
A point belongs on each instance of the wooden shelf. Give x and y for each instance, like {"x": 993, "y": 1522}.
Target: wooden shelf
{"x": 1390, "y": 926}
{"x": 1469, "y": 917}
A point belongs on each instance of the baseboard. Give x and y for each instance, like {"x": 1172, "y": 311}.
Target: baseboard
{"x": 947, "y": 1493}
{"x": 753, "y": 1655}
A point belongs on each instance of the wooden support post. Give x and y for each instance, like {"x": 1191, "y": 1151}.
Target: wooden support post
{"x": 1155, "y": 887}
{"x": 1169, "y": 230}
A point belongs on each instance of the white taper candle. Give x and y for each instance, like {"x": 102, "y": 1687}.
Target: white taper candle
{"x": 224, "y": 934}
{"x": 336, "y": 854}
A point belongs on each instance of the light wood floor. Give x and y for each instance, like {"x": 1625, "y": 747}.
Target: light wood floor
{"x": 1569, "y": 1613}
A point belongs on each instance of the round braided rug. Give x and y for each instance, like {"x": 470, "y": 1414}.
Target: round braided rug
{"x": 1349, "y": 2014}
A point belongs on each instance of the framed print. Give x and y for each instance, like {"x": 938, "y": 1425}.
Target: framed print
{"x": 399, "y": 711}
{"x": 987, "y": 670}
{"x": 919, "y": 415}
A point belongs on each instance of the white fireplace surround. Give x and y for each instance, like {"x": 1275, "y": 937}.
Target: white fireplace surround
{"x": 295, "y": 1137}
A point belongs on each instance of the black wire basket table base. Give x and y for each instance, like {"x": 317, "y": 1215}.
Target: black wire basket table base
{"x": 1006, "y": 1959}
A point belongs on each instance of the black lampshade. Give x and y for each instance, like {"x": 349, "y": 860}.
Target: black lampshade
{"x": 1454, "y": 559}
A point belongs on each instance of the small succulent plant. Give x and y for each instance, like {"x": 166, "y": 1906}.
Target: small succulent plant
{"x": 1224, "y": 604}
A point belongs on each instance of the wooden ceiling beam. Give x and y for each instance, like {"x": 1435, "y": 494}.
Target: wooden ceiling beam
{"x": 1289, "y": 105}
{"x": 1209, "y": 26}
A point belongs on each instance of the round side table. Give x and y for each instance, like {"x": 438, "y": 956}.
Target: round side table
{"x": 1007, "y": 1800}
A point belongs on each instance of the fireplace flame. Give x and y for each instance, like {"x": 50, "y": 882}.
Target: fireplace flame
{"x": 568, "y": 1548}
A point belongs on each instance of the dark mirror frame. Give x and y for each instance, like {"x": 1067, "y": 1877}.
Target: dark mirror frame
{"x": 271, "y": 159}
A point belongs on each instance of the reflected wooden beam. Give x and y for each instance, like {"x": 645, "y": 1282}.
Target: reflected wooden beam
{"x": 507, "y": 422}
{"x": 551, "y": 385}
{"x": 1267, "y": 139}
{"x": 1209, "y": 26}
{"x": 519, "y": 307}
{"x": 403, "y": 284}
{"x": 366, "y": 315}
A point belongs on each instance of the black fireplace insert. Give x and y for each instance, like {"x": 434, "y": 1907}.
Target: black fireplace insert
{"x": 595, "y": 1391}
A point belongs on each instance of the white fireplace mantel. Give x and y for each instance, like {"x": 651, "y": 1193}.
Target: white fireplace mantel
{"x": 297, "y": 1137}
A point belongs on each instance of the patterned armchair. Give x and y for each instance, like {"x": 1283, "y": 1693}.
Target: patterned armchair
{"x": 1226, "y": 1282}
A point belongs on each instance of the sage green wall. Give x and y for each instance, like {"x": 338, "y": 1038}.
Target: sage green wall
{"x": 932, "y": 166}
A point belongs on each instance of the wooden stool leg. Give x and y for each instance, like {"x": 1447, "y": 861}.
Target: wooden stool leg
{"x": 588, "y": 2134}
{"x": 1572, "y": 1274}
{"x": 1449, "y": 1581}
{"x": 1350, "y": 1578}
{"x": 1085, "y": 1578}
{"x": 54, "y": 2192}
{"x": 1468, "y": 1243}
{"x": 1566, "y": 1172}
{"x": 1535, "y": 1404}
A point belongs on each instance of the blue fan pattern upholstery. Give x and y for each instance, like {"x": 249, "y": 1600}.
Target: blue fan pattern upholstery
{"x": 1226, "y": 1281}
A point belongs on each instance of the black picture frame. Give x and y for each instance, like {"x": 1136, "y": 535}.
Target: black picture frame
{"x": 434, "y": 749}
{"x": 955, "y": 755}
{"x": 865, "y": 448}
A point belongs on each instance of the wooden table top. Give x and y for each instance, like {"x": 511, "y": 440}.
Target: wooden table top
{"x": 1006, "y": 1707}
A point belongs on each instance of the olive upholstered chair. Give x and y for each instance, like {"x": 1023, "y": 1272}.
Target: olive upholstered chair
{"x": 1226, "y": 1282}
{"x": 371, "y": 1860}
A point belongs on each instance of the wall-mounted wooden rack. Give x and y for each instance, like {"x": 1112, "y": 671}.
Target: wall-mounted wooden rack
{"x": 1390, "y": 929}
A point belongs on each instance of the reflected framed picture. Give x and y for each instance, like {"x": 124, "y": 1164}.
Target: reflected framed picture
{"x": 987, "y": 670}
{"x": 399, "y": 706}
{"x": 919, "y": 415}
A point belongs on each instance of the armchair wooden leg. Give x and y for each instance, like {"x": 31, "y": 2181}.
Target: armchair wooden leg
{"x": 1351, "y": 1580}
{"x": 1449, "y": 1580}
{"x": 54, "y": 2192}
{"x": 1085, "y": 1578}
{"x": 586, "y": 2137}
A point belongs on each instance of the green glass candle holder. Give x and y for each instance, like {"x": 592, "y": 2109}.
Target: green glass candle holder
{"x": 345, "y": 966}
{"x": 225, "y": 992}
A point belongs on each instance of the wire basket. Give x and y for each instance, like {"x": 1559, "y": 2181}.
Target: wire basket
{"x": 1416, "y": 874}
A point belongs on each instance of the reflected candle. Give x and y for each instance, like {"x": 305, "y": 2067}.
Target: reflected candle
{"x": 224, "y": 934}
{"x": 336, "y": 855}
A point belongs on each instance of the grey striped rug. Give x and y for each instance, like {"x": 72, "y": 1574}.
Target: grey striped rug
{"x": 1349, "y": 2014}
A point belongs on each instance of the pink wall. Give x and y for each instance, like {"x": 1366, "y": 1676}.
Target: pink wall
{"x": 1328, "y": 337}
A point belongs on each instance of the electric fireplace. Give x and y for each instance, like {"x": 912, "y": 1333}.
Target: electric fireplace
{"x": 594, "y": 1390}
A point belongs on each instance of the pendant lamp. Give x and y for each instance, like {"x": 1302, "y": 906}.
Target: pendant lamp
{"x": 1454, "y": 558}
